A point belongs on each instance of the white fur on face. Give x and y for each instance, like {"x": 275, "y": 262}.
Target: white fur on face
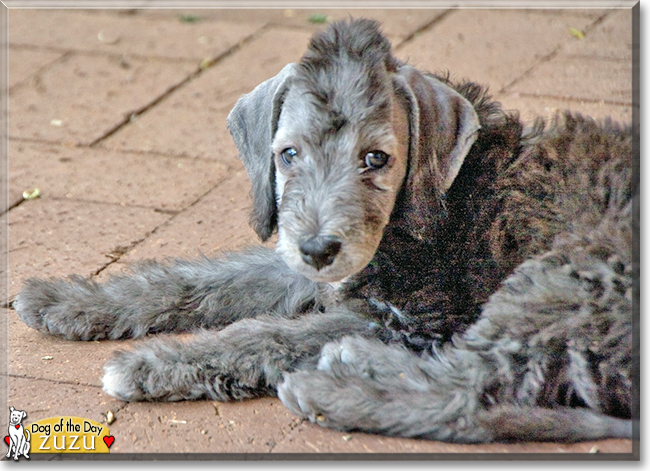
{"x": 280, "y": 182}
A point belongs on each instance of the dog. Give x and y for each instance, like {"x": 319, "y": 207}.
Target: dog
{"x": 441, "y": 271}
{"x": 18, "y": 442}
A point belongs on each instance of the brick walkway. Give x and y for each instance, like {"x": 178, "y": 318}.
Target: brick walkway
{"x": 118, "y": 117}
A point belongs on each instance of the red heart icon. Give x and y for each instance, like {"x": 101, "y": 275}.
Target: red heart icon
{"x": 109, "y": 440}
{"x": 17, "y": 426}
{"x": 8, "y": 440}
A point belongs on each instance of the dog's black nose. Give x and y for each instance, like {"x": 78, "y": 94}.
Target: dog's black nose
{"x": 320, "y": 251}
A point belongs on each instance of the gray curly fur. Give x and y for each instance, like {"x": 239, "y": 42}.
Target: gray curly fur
{"x": 479, "y": 289}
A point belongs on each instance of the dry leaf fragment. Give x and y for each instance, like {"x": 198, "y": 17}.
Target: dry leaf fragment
{"x": 576, "y": 33}
{"x": 319, "y": 18}
{"x": 206, "y": 63}
{"x": 31, "y": 194}
{"x": 107, "y": 38}
{"x": 189, "y": 18}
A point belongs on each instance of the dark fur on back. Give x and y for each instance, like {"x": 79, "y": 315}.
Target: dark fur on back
{"x": 497, "y": 305}
{"x": 440, "y": 284}
{"x": 518, "y": 189}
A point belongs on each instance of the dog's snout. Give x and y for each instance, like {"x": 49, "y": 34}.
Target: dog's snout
{"x": 320, "y": 251}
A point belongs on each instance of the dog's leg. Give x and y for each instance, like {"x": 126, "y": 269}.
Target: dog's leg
{"x": 17, "y": 448}
{"x": 20, "y": 446}
{"x": 365, "y": 385}
{"x": 246, "y": 359}
{"x": 174, "y": 297}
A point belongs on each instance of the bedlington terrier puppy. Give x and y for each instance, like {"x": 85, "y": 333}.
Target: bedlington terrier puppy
{"x": 441, "y": 271}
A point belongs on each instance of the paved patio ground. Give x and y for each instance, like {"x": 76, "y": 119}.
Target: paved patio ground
{"x": 118, "y": 118}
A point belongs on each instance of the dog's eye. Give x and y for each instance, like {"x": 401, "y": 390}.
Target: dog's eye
{"x": 288, "y": 154}
{"x": 376, "y": 159}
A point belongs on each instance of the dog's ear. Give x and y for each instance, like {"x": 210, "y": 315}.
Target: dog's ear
{"x": 443, "y": 127}
{"x": 252, "y": 124}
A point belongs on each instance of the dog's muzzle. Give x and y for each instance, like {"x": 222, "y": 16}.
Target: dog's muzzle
{"x": 320, "y": 251}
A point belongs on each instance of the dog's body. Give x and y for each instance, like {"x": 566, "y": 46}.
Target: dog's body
{"x": 440, "y": 271}
{"x": 18, "y": 442}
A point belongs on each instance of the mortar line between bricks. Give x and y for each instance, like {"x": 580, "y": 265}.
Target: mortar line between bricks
{"x": 57, "y": 381}
{"x": 12, "y": 206}
{"x": 146, "y": 153}
{"x": 574, "y": 99}
{"x": 197, "y": 73}
{"x": 530, "y": 70}
{"x": 171, "y": 212}
{"x": 156, "y": 229}
{"x": 142, "y": 110}
{"x": 127, "y": 250}
{"x": 43, "y": 68}
{"x": 9, "y": 301}
{"x": 157, "y": 153}
{"x": 553, "y": 54}
{"x": 599, "y": 58}
{"x": 96, "y": 52}
{"x": 425, "y": 27}
{"x": 118, "y": 408}
{"x": 286, "y": 435}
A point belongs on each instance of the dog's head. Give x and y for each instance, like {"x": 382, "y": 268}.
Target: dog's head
{"x": 16, "y": 416}
{"x": 342, "y": 142}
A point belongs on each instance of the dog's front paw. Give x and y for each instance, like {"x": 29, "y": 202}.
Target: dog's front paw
{"x": 163, "y": 370}
{"x": 36, "y": 301}
{"x": 125, "y": 376}
{"x": 154, "y": 372}
{"x": 341, "y": 403}
{"x": 64, "y": 308}
{"x": 303, "y": 393}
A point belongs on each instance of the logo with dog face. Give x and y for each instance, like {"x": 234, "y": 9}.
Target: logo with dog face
{"x": 18, "y": 439}
{"x": 56, "y": 435}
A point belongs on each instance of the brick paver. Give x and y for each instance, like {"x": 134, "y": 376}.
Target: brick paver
{"x": 118, "y": 117}
{"x": 126, "y": 34}
{"x": 122, "y": 178}
{"x": 57, "y": 237}
{"x": 472, "y": 46}
{"x": 26, "y": 63}
{"x": 205, "y": 102}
